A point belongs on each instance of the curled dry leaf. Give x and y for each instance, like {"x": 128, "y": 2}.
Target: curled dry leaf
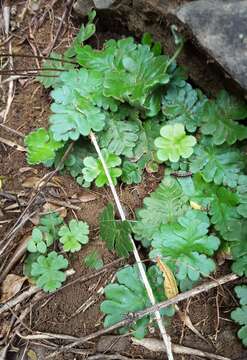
{"x": 35, "y": 182}
{"x": 48, "y": 207}
{"x": 26, "y": 169}
{"x": 11, "y": 286}
{"x": 170, "y": 283}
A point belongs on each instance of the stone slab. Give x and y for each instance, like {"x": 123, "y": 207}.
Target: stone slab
{"x": 220, "y": 28}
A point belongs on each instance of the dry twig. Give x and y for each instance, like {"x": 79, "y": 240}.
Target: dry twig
{"x": 157, "y": 346}
{"x": 138, "y": 315}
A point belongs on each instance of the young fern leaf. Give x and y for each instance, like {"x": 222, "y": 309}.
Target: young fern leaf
{"x": 220, "y": 202}
{"x": 187, "y": 244}
{"x": 145, "y": 150}
{"x": 163, "y": 206}
{"x": 49, "y": 224}
{"x": 41, "y": 146}
{"x": 108, "y": 58}
{"x": 131, "y": 71}
{"x": 219, "y": 119}
{"x": 138, "y": 75}
{"x": 129, "y": 295}
{"x": 85, "y": 32}
{"x": 239, "y": 315}
{"x": 219, "y": 164}
{"x": 75, "y": 112}
{"x": 183, "y": 105}
{"x": 115, "y": 233}
{"x": 132, "y": 174}
{"x": 93, "y": 169}
{"x": 38, "y": 243}
{"x": 119, "y": 137}
{"x": 94, "y": 261}
{"x": 74, "y": 235}
{"x": 174, "y": 143}
{"x": 51, "y": 78}
{"x": 47, "y": 271}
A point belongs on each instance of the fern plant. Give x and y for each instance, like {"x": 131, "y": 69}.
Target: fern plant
{"x": 144, "y": 112}
{"x": 44, "y": 267}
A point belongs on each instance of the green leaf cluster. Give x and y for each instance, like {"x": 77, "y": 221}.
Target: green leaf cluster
{"x": 115, "y": 233}
{"x": 93, "y": 168}
{"x": 129, "y": 295}
{"x": 44, "y": 267}
{"x": 93, "y": 260}
{"x": 41, "y": 146}
{"x": 239, "y": 315}
{"x": 73, "y": 235}
{"x": 186, "y": 245}
{"x": 144, "y": 112}
{"x": 166, "y": 204}
{"x": 174, "y": 143}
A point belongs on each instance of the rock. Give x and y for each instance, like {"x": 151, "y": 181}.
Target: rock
{"x": 82, "y": 7}
{"x": 220, "y": 27}
{"x": 103, "y": 4}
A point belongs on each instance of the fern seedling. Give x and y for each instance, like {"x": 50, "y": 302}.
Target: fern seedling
{"x": 93, "y": 169}
{"x": 49, "y": 224}
{"x": 219, "y": 119}
{"x": 219, "y": 164}
{"x": 47, "y": 270}
{"x": 41, "y": 146}
{"x": 94, "y": 261}
{"x": 183, "y": 105}
{"x": 39, "y": 241}
{"x": 174, "y": 143}
{"x": 164, "y": 205}
{"x": 132, "y": 173}
{"x": 186, "y": 244}
{"x": 74, "y": 235}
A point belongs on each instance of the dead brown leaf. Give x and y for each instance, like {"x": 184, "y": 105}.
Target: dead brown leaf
{"x": 32, "y": 182}
{"x": 87, "y": 197}
{"x": 170, "y": 283}
{"x": 48, "y": 207}
{"x": 28, "y": 168}
{"x": 35, "y": 182}
{"x": 11, "y": 286}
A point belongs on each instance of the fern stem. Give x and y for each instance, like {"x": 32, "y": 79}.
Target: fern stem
{"x": 163, "y": 332}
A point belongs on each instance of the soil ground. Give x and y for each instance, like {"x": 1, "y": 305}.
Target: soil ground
{"x": 61, "y": 313}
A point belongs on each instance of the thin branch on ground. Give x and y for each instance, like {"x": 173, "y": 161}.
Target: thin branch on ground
{"x": 149, "y": 290}
{"x": 38, "y": 57}
{"x": 158, "y": 346}
{"x": 111, "y": 357}
{"x": 140, "y": 314}
{"x": 12, "y": 144}
{"x": 16, "y": 132}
